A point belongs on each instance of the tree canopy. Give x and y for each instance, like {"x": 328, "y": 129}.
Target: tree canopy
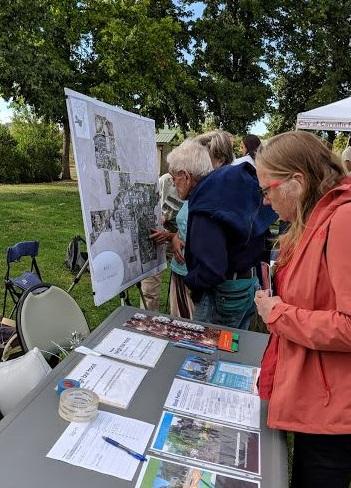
{"x": 127, "y": 52}
{"x": 229, "y": 53}
{"x": 310, "y": 57}
{"x": 232, "y": 64}
{"x": 140, "y": 47}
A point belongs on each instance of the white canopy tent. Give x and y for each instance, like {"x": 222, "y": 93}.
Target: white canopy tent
{"x": 334, "y": 116}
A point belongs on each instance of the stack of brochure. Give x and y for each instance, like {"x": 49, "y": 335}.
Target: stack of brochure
{"x": 221, "y": 373}
{"x": 209, "y": 436}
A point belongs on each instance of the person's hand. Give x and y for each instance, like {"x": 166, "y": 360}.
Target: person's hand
{"x": 265, "y": 303}
{"x": 177, "y": 249}
{"x": 160, "y": 236}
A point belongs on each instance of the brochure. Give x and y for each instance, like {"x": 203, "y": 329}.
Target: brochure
{"x": 161, "y": 473}
{"x": 114, "y": 382}
{"x": 222, "y": 404}
{"x": 129, "y": 346}
{"x": 174, "y": 329}
{"x": 221, "y": 373}
{"x": 208, "y": 444}
{"x": 81, "y": 444}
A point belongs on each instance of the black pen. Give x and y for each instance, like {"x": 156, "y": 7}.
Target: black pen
{"x": 136, "y": 455}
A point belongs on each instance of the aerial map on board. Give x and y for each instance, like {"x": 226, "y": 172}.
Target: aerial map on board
{"x": 115, "y": 154}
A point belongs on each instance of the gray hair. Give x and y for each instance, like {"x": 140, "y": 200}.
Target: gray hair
{"x": 190, "y": 156}
{"x": 219, "y": 144}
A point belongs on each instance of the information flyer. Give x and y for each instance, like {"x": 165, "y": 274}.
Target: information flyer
{"x": 130, "y": 346}
{"x": 163, "y": 473}
{"x": 222, "y": 404}
{"x": 208, "y": 443}
{"x": 221, "y": 373}
{"x": 114, "y": 382}
{"x": 82, "y": 444}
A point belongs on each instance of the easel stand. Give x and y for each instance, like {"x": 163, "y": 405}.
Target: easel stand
{"x": 78, "y": 277}
{"x": 138, "y": 285}
{"x": 124, "y": 296}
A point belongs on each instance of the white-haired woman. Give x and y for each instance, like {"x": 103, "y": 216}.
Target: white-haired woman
{"x": 185, "y": 177}
{"x": 306, "y": 369}
{"x": 220, "y": 149}
{"x": 225, "y": 233}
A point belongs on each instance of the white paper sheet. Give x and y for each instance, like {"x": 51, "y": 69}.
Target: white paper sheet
{"x": 80, "y": 118}
{"x": 130, "y": 346}
{"x": 114, "y": 382}
{"x": 82, "y": 445}
{"x": 215, "y": 403}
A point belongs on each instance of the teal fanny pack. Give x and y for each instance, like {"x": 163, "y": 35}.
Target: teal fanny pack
{"x": 235, "y": 296}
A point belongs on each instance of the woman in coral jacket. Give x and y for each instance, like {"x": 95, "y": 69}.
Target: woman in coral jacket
{"x": 306, "y": 369}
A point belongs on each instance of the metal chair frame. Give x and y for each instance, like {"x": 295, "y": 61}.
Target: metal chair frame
{"x": 15, "y": 254}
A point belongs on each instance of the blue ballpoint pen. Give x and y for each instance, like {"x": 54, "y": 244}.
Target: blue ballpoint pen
{"x": 196, "y": 344}
{"x": 136, "y": 455}
{"x": 192, "y": 347}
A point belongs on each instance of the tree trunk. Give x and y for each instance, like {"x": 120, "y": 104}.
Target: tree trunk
{"x": 66, "y": 173}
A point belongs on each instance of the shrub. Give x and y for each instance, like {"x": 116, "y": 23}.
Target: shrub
{"x": 38, "y": 145}
{"x": 11, "y": 162}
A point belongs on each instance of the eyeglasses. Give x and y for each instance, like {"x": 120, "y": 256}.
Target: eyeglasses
{"x": 180, "y": 174}
{"x": 274, "y": 184}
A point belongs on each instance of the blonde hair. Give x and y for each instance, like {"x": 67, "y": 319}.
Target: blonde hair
{"x": 300, "y": 152}
{"x": 190, "y": 156}
{"x": 219, "y": 144}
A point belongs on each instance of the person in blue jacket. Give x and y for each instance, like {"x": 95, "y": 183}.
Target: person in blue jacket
{"x": 225, "y": 240}
{"x": 219, "y": 145}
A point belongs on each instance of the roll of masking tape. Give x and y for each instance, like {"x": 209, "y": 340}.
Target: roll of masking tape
{"x": 65, "y": 384}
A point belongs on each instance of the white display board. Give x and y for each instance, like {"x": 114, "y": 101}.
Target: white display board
{"x": 115, "y": 154}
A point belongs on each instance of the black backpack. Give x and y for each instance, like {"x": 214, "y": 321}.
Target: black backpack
{"x": 75, "y": 257}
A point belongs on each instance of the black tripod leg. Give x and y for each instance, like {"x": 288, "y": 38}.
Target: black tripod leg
{"x": 138, "y": 285}
{"x": 168, "y": 292}
{"x": 77, "y": 278}
{"x": 124, "y": 297}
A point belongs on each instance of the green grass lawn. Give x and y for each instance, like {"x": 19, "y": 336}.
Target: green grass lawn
{"x": 51, "y": 214}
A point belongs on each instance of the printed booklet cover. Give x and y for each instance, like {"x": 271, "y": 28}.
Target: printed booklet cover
{"x": 174, "y": 329}
{"x": 220, "y": 373}
{"x": 208, "y": 443}
{"x": 161, "y": 473}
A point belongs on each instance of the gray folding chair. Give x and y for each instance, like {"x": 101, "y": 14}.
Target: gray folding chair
{"x": 19, "y": 376}
{"x": 50, "y": 319}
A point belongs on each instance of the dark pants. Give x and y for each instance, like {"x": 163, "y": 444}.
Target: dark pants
{"x": 321, "y": 461}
